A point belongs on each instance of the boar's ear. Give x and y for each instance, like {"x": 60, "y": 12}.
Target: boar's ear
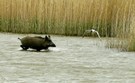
{"x": 49, "y": 36}
{"x": 46, "y": 37}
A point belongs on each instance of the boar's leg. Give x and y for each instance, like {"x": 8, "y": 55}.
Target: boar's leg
{"x": 23, "y": 47}
{"x": 45, "y": 48}
{"x": 38, "y": 49}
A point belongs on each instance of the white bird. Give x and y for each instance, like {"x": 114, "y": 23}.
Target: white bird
{"x": 91, "y": 30}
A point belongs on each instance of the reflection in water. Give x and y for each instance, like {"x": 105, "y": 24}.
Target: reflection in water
{"x": 74, "y": 60}
{"x": 56, "y": 49}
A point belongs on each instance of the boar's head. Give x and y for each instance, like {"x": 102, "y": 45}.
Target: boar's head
{"x": 48, "y": 42}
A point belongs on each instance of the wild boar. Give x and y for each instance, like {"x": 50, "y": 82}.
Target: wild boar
{"x": 40, "y": 37}
{"x": 36, "y": 42}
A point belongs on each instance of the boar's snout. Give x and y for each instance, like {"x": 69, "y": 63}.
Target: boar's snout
{"x": 48, "y": 42}
{"x": 52, "y": 45}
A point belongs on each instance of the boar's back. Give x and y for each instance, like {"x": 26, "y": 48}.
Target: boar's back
{"x": 32, "y": 42}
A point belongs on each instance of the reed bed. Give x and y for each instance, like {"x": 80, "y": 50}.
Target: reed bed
{"x": 112, "y": 18}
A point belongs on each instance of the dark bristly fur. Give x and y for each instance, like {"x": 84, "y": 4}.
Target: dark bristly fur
{"x": 36, "y": 42}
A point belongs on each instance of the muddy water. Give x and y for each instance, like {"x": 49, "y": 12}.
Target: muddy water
{"x": 74, "y": 60}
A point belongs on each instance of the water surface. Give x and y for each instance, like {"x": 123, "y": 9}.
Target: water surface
{"x": 74, "y": 60}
